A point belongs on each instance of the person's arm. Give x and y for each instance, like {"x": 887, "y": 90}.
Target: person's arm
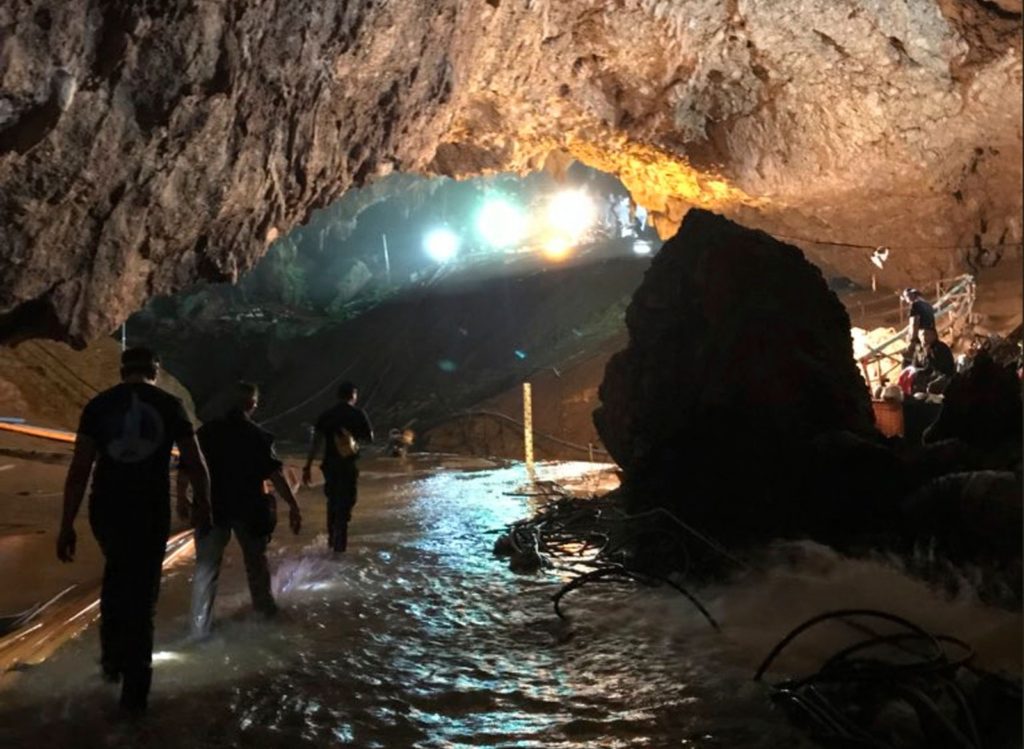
{"x": 284, "y": 491}
{"x": 367, "y": 429}
{"x": 184, "y": 505}
{"x": 194, "y": 466}
{"x": 315, "y": 448}
{"x": 74, "y": 492}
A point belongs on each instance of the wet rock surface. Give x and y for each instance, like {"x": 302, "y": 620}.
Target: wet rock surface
{"x": 147, "y": 145}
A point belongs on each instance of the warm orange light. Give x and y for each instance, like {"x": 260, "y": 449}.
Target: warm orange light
{"x": 557, "y": 247}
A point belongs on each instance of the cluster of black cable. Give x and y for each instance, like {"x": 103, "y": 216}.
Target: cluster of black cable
{"x": 905, "y": 687}
{"x": 594, "y": 539}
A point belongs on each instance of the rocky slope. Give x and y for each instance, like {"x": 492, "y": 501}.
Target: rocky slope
{"x": 47, "y": 383}
{"x": 145, "y": 145}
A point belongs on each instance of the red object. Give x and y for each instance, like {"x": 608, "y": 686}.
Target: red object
{"x": 906, "y": 381}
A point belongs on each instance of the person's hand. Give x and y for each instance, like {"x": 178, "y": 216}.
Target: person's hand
{"x": 66, "y": 542}
{"x": 307, "y": 475}
{"x": 295, "y": 519}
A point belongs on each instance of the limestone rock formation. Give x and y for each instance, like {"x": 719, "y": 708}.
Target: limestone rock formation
{"x": 739, "y": 360}
{"x": 146, "y": 145}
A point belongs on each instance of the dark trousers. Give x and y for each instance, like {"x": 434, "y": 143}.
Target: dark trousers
{"x": 133, "y": 546}
{"x": 209, "y": 553}
{"x": 340, "y": 486}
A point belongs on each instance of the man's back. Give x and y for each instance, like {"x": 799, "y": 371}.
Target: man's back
{"x": 240, "y": 456}
{"x": 134, "y": 427}
{"x": 924, "y": 313}
{"x": 345, "y": 417}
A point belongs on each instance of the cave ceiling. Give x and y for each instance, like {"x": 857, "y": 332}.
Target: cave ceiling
{"x": 146, "y": 145}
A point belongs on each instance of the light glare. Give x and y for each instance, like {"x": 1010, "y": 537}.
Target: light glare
{"x": 500, "y": 223}
{"x": 557, "y": 247}
{"x": 571, "y": 212}
{"x": 441, "y": 245}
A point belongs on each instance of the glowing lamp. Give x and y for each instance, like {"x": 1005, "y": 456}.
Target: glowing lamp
{"x": 571, "y": 212}
{"x": 557, "y": 247}
{"x": 441, "y": 245}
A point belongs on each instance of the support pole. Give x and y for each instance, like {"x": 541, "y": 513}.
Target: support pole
{"x": 124, "y": 336}
{"x": 528, "y": 430}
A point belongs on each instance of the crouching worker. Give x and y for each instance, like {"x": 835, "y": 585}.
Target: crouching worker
{"x": 240, "y": 457}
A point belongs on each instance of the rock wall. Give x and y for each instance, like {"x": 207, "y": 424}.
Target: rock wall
{"x": 145, "y": 145}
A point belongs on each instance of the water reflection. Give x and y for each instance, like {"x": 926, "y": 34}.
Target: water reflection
{"x": 420, "y": 638}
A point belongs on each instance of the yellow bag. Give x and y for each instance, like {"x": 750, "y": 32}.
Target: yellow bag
{"x": 345, "y": 444}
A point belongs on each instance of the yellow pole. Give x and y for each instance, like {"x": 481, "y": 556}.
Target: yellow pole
{"x": 528, "y": 430}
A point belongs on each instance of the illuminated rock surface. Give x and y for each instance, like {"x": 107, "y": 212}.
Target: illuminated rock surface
{"x": 145, "y": 146}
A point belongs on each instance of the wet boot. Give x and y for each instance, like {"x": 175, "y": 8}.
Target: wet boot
{"x": 135, "y": 691}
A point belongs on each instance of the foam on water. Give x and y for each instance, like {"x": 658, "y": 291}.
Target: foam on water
{"x": 419, "y": 637}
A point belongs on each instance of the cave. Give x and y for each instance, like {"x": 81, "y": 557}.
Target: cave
{"x": 622, "y": 287}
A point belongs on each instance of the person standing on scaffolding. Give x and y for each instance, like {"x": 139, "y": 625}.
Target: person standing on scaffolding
{"x": 922, "y": 317}
{"x": 336, "y": 437}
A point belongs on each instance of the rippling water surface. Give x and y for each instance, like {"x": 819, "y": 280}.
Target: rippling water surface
{"x": 419, "y": 638}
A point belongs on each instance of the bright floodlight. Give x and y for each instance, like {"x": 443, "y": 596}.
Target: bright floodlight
{"x": 571, "y": 212}
{"x": 642, "y": 247}
{"x": 441, "y": 245}
{"x": 500, "y": 223}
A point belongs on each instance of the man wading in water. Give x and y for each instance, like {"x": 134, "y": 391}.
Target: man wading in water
{"x": 339, "y": 430}
{"x": 128, "y": 432}
{"x": 241, "y": 457}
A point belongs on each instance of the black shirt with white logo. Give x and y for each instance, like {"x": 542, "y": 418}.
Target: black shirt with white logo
{"x": 240, "y": 456}
{"x": 134, "y": 426}
{"x": 341, "y": 425}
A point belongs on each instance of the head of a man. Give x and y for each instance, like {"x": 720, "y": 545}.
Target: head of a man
{"x": 909, "y": 295}
{"x": 348, "y": 393}
{"x": 247, "y": 397}
{"x": 139, "y": 365}
{"x": 927, "y": 336}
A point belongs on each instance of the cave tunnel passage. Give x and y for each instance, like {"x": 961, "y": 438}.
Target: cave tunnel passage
{"x": 435, "y": 294}
{"x": 439, "y": 299}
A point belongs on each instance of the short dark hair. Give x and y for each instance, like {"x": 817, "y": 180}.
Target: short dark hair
{"x": 140, "y": 361}
{"x": 246, "y": 391}
{"x": 346, "y": 390}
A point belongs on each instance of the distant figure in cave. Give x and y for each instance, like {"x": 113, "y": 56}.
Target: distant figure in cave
{"x": 933, "y": 361}
{"x": 128, "y": 432}
{"x": 922, "y": 317}
{"x": 336, "y": 437}
{"x": 241, "y": 458}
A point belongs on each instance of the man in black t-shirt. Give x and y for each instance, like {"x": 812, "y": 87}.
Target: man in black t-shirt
{"x": 338, "y": 432}
{"x": 128, "y": 432}
{"x": 922, "y": 317}
{"x": 241, "y": 458}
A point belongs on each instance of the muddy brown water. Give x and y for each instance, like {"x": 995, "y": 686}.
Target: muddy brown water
{"x": 419, "y": 637}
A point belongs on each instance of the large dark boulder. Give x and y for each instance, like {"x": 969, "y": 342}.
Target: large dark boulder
{"x": 739, "y": 359}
